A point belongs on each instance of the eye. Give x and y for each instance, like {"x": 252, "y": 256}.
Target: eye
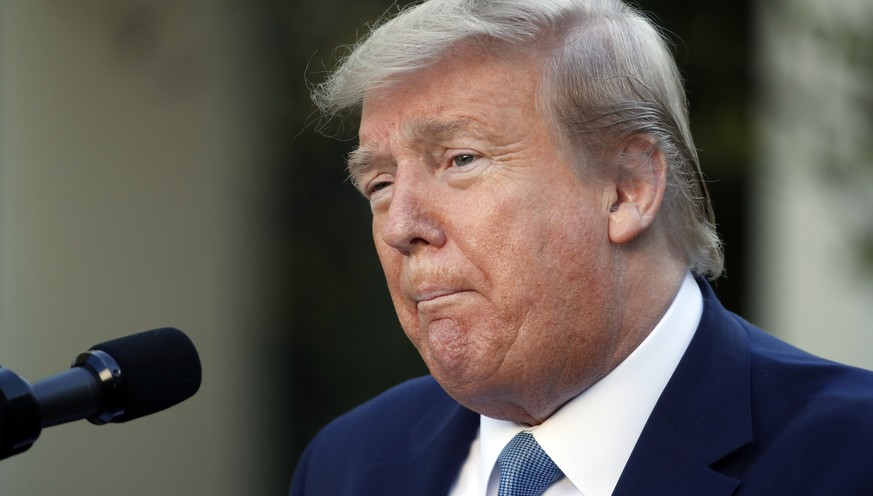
{"x": 463, "y": 159}
{"x": 376, "y": 186}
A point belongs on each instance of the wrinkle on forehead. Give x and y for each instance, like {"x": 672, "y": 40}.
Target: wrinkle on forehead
{"x": 441, "y": 110}
{"x": 434, "y": 130}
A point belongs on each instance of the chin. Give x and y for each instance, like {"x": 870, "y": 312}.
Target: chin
{"x": 482, "y": 393}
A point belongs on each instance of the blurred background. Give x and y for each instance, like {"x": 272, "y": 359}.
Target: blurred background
{"x": 159, "y": 166}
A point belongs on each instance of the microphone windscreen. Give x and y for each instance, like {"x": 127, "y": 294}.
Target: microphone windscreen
{"x": 160, "y": 368}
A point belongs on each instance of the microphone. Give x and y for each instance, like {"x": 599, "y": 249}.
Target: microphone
{"x": 116, "y": 381}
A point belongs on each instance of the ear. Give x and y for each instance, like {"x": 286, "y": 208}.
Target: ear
{"x": 639, "y": 188}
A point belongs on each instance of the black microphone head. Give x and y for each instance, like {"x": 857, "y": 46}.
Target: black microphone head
{"x": 159, "y": 368}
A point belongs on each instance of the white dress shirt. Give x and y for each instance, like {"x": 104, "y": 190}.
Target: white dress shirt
{"x": 591, "y": 437}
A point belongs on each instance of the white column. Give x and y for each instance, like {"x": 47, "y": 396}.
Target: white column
{"x": 815, "y": 187}
{"x": 124, "y": 178}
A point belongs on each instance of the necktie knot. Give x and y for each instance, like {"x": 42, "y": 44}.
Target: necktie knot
{"x": 525, "y": 469}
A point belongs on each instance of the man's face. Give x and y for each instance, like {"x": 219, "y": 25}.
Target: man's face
{"x": 496, "y": 253}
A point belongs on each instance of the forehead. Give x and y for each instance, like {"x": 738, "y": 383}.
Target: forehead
{"x": 467, "y": 89}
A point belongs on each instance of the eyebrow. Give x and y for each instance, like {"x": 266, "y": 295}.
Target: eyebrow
{"x": 362, "y": 159}
{"x": 358, "y": 162}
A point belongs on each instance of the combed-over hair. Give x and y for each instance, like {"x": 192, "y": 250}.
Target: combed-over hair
{"x": 608, "y": 76}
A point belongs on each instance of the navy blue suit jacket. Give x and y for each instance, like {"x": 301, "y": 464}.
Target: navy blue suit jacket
{"x": 744, "y": 414}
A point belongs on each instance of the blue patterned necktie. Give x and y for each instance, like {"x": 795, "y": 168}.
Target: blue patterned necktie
{"x": 525, "y": 469}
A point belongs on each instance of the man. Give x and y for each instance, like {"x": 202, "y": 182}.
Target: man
{"x": 545, "y": 233}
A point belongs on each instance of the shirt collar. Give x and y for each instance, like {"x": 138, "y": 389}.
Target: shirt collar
{"x": 591, "y": 437}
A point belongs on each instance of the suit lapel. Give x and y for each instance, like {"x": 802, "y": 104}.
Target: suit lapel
{"x": 438, "y": 446}
{"x": 703, "y": 415}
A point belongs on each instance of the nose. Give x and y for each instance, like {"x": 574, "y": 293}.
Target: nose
{"x": 413, "y": 220}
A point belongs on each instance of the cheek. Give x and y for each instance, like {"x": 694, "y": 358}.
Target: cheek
{"x": 524, "y": 246}
{"x": 547, "y": 269}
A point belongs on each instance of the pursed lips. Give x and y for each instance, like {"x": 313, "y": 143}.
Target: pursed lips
{"x": 432, "y": 297}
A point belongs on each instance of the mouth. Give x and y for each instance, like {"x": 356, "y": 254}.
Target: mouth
{"x": 431, "y": 300}
{"x": 431, "y": 295}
